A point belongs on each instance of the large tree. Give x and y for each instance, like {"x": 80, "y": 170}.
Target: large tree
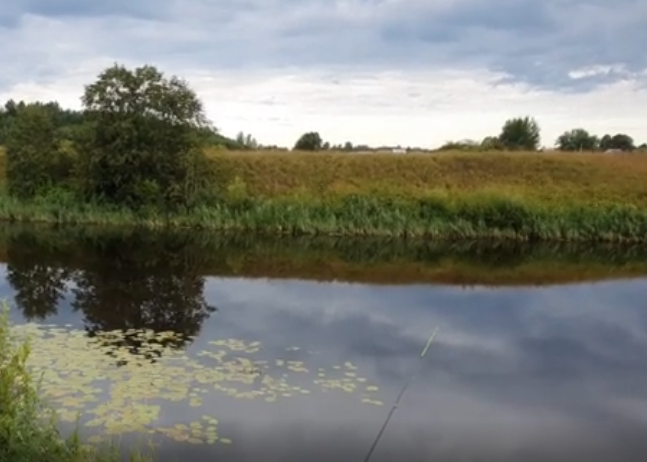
{"x": 143, "y": 145}
{"x": 521, "y": 133}
{"x": 33, "y": 158}
{"x": 310, "y": 141}
{"x": 577, "y": 139}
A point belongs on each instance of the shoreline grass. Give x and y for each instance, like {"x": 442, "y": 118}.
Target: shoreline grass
{"x": 461, "y": 218}
{"x": 28, "y": 428}
{"x": 444, "y": 196}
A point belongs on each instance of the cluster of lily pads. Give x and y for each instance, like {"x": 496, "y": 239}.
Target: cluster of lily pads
{"x": 115, "y": 392}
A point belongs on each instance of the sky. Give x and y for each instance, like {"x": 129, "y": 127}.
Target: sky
{"x": 378, "y": 72}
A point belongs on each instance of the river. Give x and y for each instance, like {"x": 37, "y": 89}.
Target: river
{"x": 241, "y": 348}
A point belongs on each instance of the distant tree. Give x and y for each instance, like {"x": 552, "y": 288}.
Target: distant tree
{"x": 240, "y": 138}
{"x": 144, "y": 146}
{"x": 491, "y": 143}
{"x": 520, "y": 134}
{"x": 32, "y": 151}
{"x": 642, "y": 147}
{"x": 462, "y": 145}
{"x": 577, "y": 139}
{"x": 247, "y": 141}
{"x": 326, "y": 146}
{"x": 348, "y": 146}
{"x": 310, "y": 141}
{"x": 617, "y": 141}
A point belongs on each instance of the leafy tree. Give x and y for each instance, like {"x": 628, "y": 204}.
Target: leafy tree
{"x": 326, "y": 146}
{"x": 617, "y": 141}
{"x": 33, "y": 160}
{"x": 520, "y": 134}
{"x": 310, "y": 141}
{"x": 143, "y": 146}
{"x": 577, "y": 139}
{"x": 348, "y": 146}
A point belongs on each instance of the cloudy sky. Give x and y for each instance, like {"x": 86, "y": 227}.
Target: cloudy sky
{"x": 410, "y": 72}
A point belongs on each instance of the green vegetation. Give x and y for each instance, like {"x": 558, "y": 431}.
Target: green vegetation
{"x": 139, "y": 154}
{"x": 310, "y": 141}
{"x": 580, "y": 140}
{"x": 521, "y": 134}
{"x": 28, "y": 428}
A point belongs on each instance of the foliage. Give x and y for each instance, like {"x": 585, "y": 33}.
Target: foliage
{"x": 28, "y": 427}
{"x": 143, "y": 149}
{"x": 520, "y": 134}
{"x": 34, "y": 161}
{"x": 491, "y": 143}
{"x": 469, "y": 195}
{"x": 310, "y": 141}
{"x": 577, "y": 139}
{"x": 619, "y": 141}
{"x": 434, "y": 215}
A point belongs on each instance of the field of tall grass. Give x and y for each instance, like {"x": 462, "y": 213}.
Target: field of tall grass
{"x": 521, "y": 196}
{"x": 28, "y": 427}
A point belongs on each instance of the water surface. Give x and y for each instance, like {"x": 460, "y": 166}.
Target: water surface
{"x": 239, "y": 349}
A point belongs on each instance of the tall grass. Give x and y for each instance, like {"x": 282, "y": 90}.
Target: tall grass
{"x": 28, "y": 428}
{"x": 526, "y": 197}
{"x": 466, "y": 216}
{"x": 549, "y": 178}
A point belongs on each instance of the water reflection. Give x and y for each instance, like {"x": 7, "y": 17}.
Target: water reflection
{"x": 516, "y": 373}
{"x": 119, "y": 281}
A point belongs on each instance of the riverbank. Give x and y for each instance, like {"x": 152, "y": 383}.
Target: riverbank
{"x": 523, "y": 197}
{"x": 464, "y": 217}
{"x": 28, "y": 430}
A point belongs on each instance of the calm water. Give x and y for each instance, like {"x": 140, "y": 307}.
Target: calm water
{"x": 300, "y": 369}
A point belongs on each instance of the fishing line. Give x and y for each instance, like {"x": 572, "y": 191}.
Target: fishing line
{"x": 402, "y": 392}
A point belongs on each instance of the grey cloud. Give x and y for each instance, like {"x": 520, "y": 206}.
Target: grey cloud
{"x": 85, "y": 8}
{"x": 537, "y": 43}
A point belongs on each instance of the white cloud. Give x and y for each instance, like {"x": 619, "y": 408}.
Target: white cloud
{"x": 390, "y": 72}
{"x": 422, "y": 108}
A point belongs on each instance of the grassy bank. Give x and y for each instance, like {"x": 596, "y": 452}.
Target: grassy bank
{"x": 28, "y": 430}
{"x": 26, "y": 249}
{"x": 521, "y": 196}
{"x": 546, "y": 178}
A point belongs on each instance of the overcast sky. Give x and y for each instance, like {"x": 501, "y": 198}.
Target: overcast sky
{"x": 410, "y": 72}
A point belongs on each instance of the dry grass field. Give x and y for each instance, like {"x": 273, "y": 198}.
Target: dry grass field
{"x": 547, "y": 177}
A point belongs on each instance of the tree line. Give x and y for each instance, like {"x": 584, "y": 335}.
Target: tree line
{"x": 517, "y": 134}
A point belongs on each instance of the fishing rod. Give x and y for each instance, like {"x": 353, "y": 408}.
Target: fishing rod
{"x": 402, "y": 392}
